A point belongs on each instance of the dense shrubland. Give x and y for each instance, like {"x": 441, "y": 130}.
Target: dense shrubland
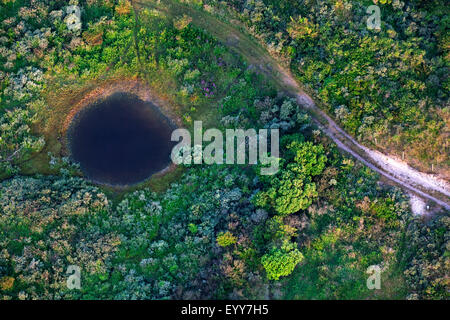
{"x": 47, "y": 224}
{"x": 310, "y": 231}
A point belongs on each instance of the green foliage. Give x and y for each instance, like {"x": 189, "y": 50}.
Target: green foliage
{"x": 16, "y": 140}
{"x": 301, "y": 29}
{"x": 293, "y": 189}
{"x": 279, "y": 263}
{"x": 225, "y": 239}
{"x": 428, "y": 254}
{"x": 47, "y": 224}
{"x": 388, "y": 86}
{"x": 192, "y": 228}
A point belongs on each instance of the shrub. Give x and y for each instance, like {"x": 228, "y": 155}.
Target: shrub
{"x": 6, "y": 283}
{"x": 225, "y": 239}
{"x": 123, "y": 8}
{"x": 293, "y": 189}
{"x": 279, "y": 263}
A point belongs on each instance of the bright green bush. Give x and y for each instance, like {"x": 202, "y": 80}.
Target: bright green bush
{"x": 225, "y": 239}
{"x": 293, "y": 189}
{"x": 279, "y": 263}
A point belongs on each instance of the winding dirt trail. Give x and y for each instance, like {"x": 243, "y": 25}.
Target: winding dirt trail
{"x": 397, "y": 172}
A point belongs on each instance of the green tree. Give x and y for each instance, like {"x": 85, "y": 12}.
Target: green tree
{"x": 301, "y": 29}
{"x": 281, "y": 262}
{"x": 16, "y": 140}
{"x": 225, "y": 239}
{"x": 292, "y": 189}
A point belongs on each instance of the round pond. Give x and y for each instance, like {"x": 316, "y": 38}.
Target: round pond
{"x": 120, "y": 140}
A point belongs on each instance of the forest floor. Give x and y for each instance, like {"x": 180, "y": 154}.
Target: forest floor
{"x": 232, "y": 34}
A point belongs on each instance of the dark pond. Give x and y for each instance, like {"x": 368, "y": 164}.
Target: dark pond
{"x": 121, "y": 140}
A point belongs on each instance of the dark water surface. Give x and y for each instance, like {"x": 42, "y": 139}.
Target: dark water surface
{"x": 121, "y": 140}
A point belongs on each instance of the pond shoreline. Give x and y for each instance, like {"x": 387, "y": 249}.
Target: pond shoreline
{"x": 117, "y": 133}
